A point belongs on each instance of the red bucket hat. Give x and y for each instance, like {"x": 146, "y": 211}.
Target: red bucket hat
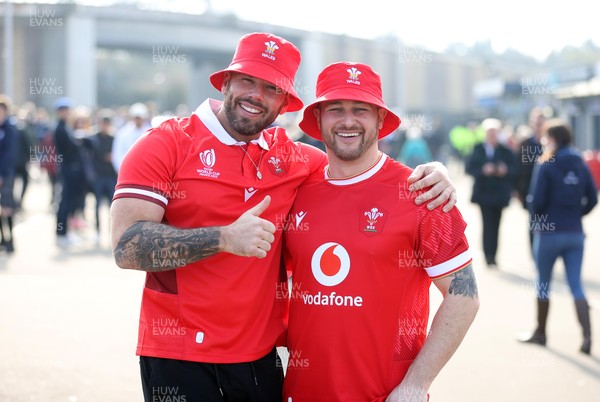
{"x": 348, "y": 81}
{"x": 268, "y": 57}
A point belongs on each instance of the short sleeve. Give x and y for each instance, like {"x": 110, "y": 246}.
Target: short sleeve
{"x": 148, "y": 168}
{"x": 442, "y": 242}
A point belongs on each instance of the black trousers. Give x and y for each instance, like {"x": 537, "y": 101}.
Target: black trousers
{"x": 185, "y": 381}
{"x": 72, "y": 186}
{"x": 491, "y": 225}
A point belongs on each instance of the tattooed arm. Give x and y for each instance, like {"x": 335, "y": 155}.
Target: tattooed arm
{"x": 141, "y": 242}
{"x": 450, "y": 324}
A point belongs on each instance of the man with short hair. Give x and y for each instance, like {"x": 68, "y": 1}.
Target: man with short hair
{"x": 493, "y": 167}
{"x": 363, "y": 256}
{"x": 100, "y": 147}
{"x": 196, "y": 207}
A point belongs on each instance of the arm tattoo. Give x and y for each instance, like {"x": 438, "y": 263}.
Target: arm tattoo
{"x": 463, "y": 283}
{"x": 154, "y": 247}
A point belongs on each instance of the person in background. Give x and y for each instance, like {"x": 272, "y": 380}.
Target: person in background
{"x": 493, "y": 167}
{"x": 415, "y": 150}
{"x": 436, "y": 136}
{"x": 26, "y": 148}
{"x": 528, "y": 152}
{"x": 8, "y": 152}
{"x": 392, "y": 144}
{"x": 562, "y": 192}
{"x": 127, "y": 135}
{"x": 46, "y": 155}
{"x": 71, "y": 171}
{"x": 463, "y": 139}
{"x": 100, "y": 147}
{"x": 82, "y": 126}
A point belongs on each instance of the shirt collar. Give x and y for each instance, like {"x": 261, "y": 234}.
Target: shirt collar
{"x": 489, "y": 149}
{"x": 209, "y": 119}
{"x": 359, "y": 177}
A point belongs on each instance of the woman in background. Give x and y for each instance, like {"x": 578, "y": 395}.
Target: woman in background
{"x": 562, "y": 191}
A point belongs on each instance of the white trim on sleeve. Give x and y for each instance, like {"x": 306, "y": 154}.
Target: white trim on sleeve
{"x": 450, "y": 265}
{"x": 146, "y": 193}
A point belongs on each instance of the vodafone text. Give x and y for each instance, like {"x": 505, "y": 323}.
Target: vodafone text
{"x": 332, "y": 299}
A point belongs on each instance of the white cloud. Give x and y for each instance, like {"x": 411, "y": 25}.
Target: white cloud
{"x": 533, "y": 27}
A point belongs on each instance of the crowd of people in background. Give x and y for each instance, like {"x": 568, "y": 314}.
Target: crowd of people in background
{"x": 80, "y": 151}
{"x": 77, "y": 149}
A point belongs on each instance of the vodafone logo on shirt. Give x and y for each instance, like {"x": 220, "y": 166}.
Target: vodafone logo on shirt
{"x": 330, "y": 264}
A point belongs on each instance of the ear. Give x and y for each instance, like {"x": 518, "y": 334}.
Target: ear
{"x": 317, "y": 113}
{"x": 225, "y": 84}
{"x": 284, "y": 106}
{"x": 382, "y": 113}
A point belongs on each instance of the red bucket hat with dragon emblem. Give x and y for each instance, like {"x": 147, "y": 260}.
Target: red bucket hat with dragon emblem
{"x": 348, "y": 81}
{"x": 268, "y": 57}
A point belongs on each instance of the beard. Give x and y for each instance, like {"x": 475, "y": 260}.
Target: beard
{"x": 344, "y": 152}
{"x": 243, "y": 125}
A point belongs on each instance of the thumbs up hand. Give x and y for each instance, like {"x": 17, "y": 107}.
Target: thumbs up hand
{"x": 250, "y": 235}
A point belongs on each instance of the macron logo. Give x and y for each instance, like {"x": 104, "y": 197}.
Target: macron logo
{"x": 249, "y": 192}
{"x": 299, "y": 216}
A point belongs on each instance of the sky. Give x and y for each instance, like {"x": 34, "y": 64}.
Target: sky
{"x": 530, "y": 26}
{"x": 534, "y": 27}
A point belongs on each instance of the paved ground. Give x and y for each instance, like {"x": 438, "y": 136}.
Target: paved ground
{"x": 69, "y": 320}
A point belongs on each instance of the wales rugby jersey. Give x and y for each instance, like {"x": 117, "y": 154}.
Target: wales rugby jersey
{"x": 225, "y": 308}
{"x": 362, "y": 257}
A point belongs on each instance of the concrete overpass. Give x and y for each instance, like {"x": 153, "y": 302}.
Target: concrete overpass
{"x": 55, "y": 47}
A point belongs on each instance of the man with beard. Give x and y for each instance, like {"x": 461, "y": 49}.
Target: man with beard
{"x": 359, "y": 307}
{"x": 199, "y": 205}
